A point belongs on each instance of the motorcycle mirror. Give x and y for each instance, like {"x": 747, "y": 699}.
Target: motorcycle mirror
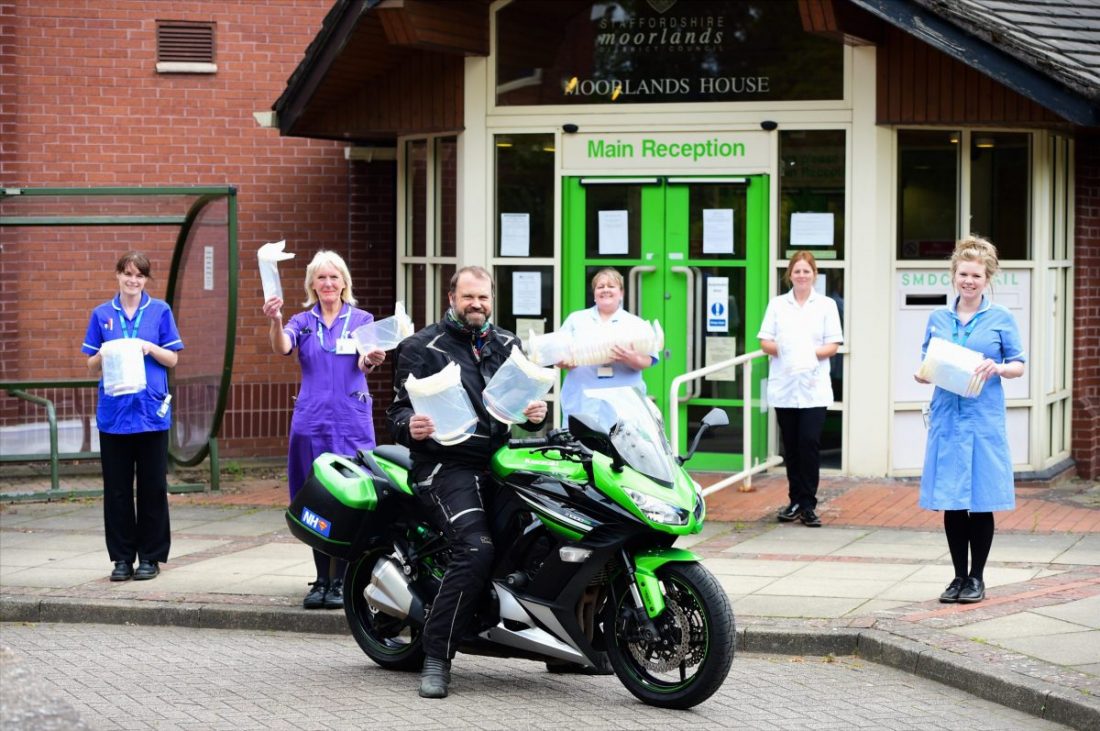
{"x": 714, "y": 418}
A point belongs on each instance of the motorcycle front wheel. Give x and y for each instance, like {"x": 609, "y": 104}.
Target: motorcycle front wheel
{"x": 391, "y": 642}
{"x": 690, "y": 657}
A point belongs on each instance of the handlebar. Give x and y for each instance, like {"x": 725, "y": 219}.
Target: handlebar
{"x": 528, "y": 442}
{"x": 553, "y": 438}
{"x": 557, "y": 439}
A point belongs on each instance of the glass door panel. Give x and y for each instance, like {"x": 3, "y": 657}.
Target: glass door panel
{"x": 693, "y": 255}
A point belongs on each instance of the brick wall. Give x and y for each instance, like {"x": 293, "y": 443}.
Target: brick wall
{"x": 81, "y": 104}
{"x": 1086, "y": 352}
{"x": 258, "y": 418}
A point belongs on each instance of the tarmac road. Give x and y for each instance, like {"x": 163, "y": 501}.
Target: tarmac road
{"x": 167, "y": 678}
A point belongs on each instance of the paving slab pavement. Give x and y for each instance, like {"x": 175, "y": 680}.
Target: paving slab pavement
{"x": 865, "y": 584}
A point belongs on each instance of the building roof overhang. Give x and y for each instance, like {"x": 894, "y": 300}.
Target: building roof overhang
{"x": 980, "y": 39}
{"x": 363, "y": 46}
{"x": 359, "y": 45}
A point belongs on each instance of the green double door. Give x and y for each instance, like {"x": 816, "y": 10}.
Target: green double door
{"x": 693, "y": 252}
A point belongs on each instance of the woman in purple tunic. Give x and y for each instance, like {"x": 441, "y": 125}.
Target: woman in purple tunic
{"x": 333, "y": 410}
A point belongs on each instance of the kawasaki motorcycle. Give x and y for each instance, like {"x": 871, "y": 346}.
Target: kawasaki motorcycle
{"x": 584, "y": 522}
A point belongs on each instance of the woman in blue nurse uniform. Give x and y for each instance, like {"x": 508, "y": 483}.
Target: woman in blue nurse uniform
{"x": 133, "y": 428}
{"x": 626, "y": 364}
{"x": 333, "y": 410}
{"x": 967, "y": 463}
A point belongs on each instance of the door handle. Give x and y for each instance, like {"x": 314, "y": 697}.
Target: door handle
{"x": 633, "y": 282}
{"x": 690, "y": 352}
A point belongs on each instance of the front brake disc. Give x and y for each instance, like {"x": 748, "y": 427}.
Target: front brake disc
{"x": 658, "y": 657}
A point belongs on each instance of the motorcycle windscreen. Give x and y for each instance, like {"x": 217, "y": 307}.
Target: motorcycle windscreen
{"x": 625, "y": 416}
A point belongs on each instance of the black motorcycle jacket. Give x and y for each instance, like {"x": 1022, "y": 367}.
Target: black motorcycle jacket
{"x": 426, "y": 353}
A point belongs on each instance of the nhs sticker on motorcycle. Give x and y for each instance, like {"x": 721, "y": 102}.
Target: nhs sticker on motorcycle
{"x": 316, "y": 523}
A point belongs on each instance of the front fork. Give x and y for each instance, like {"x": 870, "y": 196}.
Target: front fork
{"x": 645, "y": 586}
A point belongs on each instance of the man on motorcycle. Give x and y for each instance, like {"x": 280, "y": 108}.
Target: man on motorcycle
{"x": 449, "y": 479}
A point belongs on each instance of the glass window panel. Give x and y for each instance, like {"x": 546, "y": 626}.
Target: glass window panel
{"x": 446, "y": 198}
{"x": 711, "y": 196}
{"x": 928, "y": 173}
{"x": 812, "y": 164}
{"x": 443, "y": 288}
{"x": 611, "y": 198}
{"x": 1000, "y": 191}
{"x": 718, "y": 385}
{"x": 415, "y": 292}
{"x": 508, "y": 296}
{"x": 646, "y": 51}
{"x": 727, "y": 440}
{"x": 416, "y": 198}
{"x": 525, "y": 185}
{"x": 832, "y": 437}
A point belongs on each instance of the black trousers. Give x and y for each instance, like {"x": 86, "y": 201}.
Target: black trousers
{"x": 453, "y": 495}
{"x": 144, "y": 533}
{"x": 801, "y": 433}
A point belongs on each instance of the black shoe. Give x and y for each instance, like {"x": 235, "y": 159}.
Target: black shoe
{"x": 789, "y": 513}
{"x": 809, "y": 518}
{"x": 950, "y": 595}
{"x": 973, "y": 591}
{"x": 315, "y": 599}
{"x": 435, "y": 677}
{"x": 124, "y": 571}
{"x": 334, "y": 597}
{"x": 146, "y": 570}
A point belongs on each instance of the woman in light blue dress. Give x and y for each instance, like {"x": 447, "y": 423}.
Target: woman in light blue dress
{"x": 967, "y": 463}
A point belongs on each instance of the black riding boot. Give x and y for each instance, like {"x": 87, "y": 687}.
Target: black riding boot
{"x": 435, "y": 677}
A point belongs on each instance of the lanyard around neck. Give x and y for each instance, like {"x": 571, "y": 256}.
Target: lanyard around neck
{"x": 122, "y": 323}
{"x": 321, "y": 328}
{"x": 967, "y": 330}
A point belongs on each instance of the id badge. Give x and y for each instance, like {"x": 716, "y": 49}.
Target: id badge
{"x": 346, "y": 346}
{"x": 605, "y": 372}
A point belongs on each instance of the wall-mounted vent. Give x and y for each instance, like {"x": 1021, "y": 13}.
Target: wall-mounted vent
{"x": 185, "y": 47}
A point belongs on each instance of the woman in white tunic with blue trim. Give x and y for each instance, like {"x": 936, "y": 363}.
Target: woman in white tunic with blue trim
{"x": 626, "y": 364}
{"x": 967, "y": 463}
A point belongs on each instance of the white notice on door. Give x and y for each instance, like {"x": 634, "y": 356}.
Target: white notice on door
{"x": 515, "y": 234}
{"x": 717, "y": 230}
{"x": 718, "y": 303}
{"x": 721, "y": 349}
{"x": 811, "y": 229}
{"x": 526, "y": 293}
{"x": 614, "y": 232}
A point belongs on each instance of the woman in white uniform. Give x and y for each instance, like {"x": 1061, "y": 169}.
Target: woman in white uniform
{"x": 626, "y": 364}
{"x": 800, "y": 331}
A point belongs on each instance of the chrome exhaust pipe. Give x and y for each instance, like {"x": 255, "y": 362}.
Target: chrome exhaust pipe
{"x": 390, "y": 592}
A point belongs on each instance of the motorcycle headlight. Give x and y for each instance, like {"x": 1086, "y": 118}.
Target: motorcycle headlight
{"x": 657, "y": 510}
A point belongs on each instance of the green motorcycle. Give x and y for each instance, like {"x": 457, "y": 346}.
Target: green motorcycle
{"x": 586, "y": 574}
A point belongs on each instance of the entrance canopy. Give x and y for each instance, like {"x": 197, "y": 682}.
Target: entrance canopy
{"x": 201, "y": 289}
{"x": 379, "y": 69}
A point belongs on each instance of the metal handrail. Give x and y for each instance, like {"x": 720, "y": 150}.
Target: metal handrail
{"x": 746, "y": 418}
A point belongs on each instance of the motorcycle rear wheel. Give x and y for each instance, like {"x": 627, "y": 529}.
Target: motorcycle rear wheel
{"x": 391, "y": 642}
{"x": 692, "y": 655}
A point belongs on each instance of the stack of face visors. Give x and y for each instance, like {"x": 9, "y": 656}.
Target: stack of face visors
{"x": 951, "y": 367}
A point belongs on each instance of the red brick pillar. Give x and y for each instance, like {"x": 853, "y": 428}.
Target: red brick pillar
{"x": 8, "y": 98}
{"x": 372, "y": 236}
{"x": 1086, "y": 314}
